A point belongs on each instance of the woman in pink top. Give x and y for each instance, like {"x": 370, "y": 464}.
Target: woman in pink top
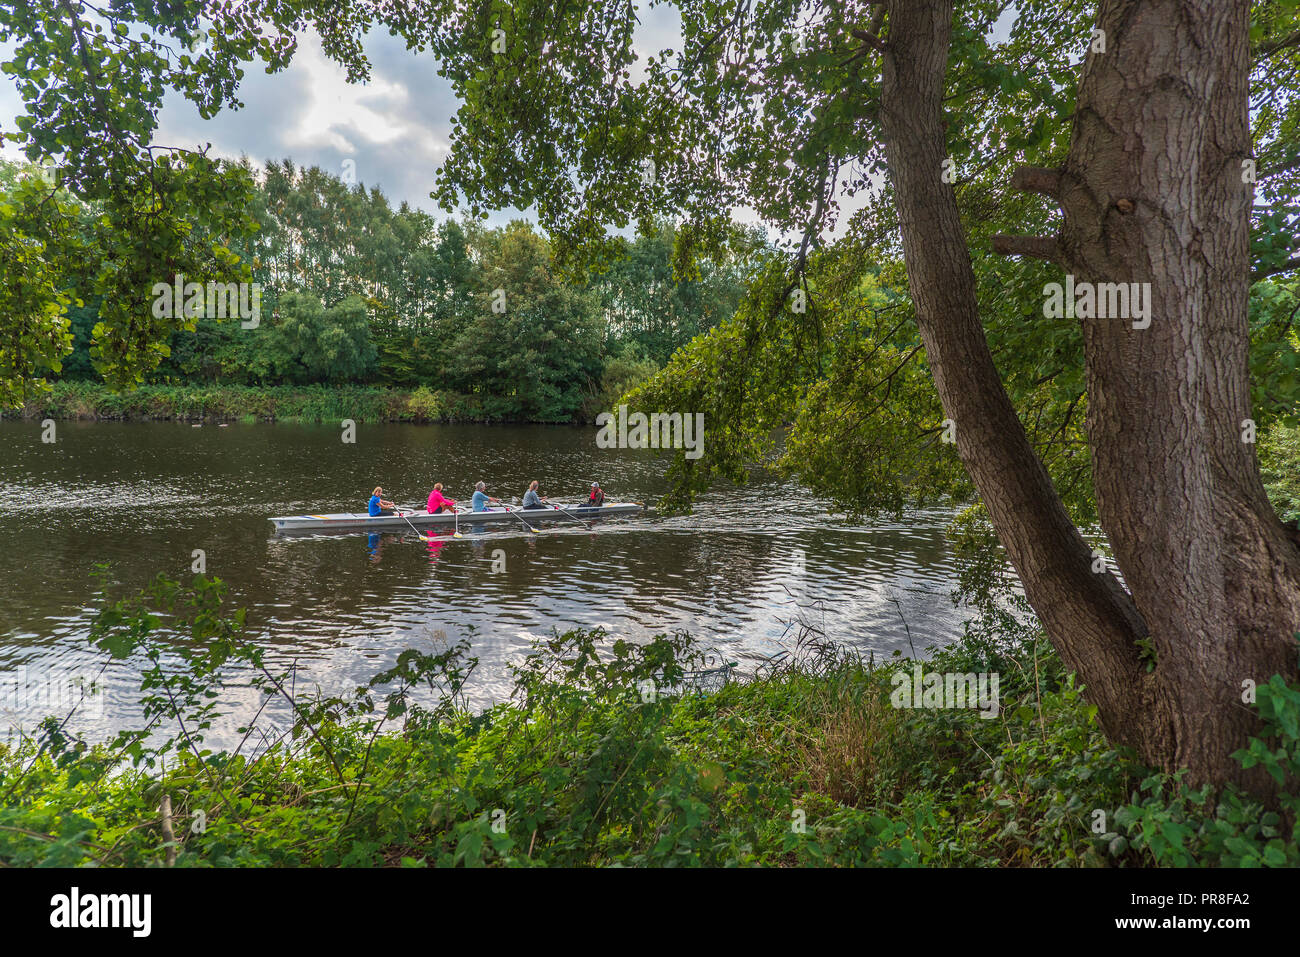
{"x": 439, "y": 502}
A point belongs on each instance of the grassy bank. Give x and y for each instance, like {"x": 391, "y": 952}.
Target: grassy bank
{"x": 316, "y": 403}
{"x": 592, "y": 763}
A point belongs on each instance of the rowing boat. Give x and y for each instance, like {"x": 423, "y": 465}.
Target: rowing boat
{"x": 362, "y": 520}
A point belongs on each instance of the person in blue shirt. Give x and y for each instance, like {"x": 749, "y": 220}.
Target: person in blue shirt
{"x": 379, "y": 505}
{"x": 481, "y": 498}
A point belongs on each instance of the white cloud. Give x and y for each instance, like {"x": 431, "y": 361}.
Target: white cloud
{"x": 346, "y": 116}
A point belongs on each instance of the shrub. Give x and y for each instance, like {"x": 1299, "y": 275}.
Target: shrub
{"x": 606, "y": 753}
{"x": 1279, "y": 454}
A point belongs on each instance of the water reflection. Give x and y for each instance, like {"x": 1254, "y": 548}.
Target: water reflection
{"x": 143, "y": 497}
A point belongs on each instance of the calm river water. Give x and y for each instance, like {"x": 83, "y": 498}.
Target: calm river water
{"x": 143, "y": 496}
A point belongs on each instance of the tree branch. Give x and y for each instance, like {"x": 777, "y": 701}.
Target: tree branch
{"x": 1290, "y": 264}
{"x": 871, "y": 35}
{"x": 1035, "y": 247}
{"x": 1037, "y": 179}
{"x": 1266, "y": 49}
{"x": 870, "y": 39}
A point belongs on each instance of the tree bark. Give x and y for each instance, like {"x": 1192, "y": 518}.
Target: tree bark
{"x": 1151, "y": 193}
{"x": 1050, "y": 556}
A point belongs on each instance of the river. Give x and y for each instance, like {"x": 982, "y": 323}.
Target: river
{"x": 143, "y": 497}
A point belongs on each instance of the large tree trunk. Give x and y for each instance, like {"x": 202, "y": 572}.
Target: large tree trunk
{"x": 1152, "y": 192}
{"x": 1214, "y": 579}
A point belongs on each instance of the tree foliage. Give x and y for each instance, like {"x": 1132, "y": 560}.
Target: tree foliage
{"x": 998, "y": 119}
{"x": 354, "y": 289}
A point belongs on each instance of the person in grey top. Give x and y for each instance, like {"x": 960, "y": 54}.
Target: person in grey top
{"x": 532, "y": 499}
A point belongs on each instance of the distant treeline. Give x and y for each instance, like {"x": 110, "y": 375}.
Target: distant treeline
{"x": 275, "y": 403}
{"x": 357, "y": 291}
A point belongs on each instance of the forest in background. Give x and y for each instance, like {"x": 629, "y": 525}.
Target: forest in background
{"x": 358, "y": 291}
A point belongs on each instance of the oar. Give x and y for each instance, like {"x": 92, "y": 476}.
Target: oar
{"x": 515, "y": 513}
{"x": 457, "y": 512}
{"x": 408, "y": 522}
{"x": 574, "y": 518}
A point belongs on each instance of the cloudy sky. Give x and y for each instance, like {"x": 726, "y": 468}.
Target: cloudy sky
{"x": 395, "y": 128}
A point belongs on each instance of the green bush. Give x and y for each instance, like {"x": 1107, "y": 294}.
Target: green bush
{"x": 606, "y": 754}
{"x": 621, "y": 374}
{"x": 423, "y": 405}
{"x": 1279, "y": 455}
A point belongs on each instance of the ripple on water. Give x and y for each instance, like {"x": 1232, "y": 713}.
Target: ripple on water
{"x": 143, "y": 497}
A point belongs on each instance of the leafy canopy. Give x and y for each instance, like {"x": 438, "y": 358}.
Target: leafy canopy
{"x": 772, "y": 105}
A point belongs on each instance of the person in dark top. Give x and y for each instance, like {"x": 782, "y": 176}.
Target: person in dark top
{"x": 380, "y": 505}
{"x": 597, "y": 496}
{"x": 532, "y": 499}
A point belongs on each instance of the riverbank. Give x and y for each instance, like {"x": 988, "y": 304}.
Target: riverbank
{"x": 94, "y": 401}
{"x": 606, "y": 756}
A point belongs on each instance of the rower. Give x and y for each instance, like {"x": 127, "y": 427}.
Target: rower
{"x": 481, "y": 498}
{"x": 439, "y": 502}
{"x": 532, "y": 499}
{"x": 380, "y": 505}
{"x": 597, "y": 496}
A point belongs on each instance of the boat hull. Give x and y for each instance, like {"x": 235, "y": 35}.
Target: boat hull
{"x": 333, "y": 521}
